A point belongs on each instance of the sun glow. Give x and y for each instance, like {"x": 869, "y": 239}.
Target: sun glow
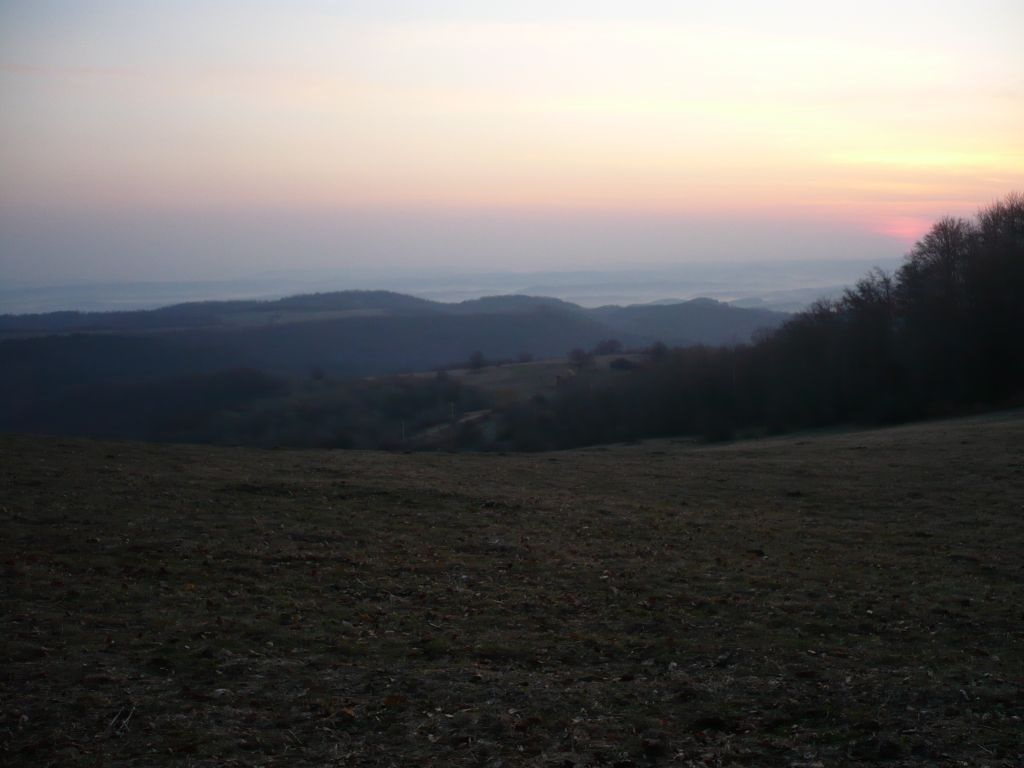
{"x": 907, "y": 229}
{"x": 795, "y": 113}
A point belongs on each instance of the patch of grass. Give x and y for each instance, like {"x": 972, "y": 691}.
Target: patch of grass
{"x": 834, "y": 599}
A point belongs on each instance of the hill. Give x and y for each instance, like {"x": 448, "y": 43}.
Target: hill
{"x": 64, "y": 371}
{"x": 842, "y": 599}
{"x": 221, "y": 314}
{"x": 698, "y": 321}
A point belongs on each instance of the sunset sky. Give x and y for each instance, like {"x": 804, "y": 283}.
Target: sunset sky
{"x": 200, "y": 139}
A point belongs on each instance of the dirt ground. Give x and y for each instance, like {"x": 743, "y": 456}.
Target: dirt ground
{"x": 820, "y": 600}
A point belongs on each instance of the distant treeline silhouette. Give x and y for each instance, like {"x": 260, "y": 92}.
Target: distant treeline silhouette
{"x": 943, "y": 335}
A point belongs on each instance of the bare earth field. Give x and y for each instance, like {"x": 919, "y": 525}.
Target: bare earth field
{"x": 812, "y": 601}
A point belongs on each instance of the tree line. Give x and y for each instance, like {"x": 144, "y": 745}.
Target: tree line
{"x": 942, "y": 335}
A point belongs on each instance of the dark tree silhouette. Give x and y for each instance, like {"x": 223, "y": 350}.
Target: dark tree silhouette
{"x": 943, "y": 335}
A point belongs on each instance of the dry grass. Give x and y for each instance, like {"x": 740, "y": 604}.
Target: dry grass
{"x": 815, "y": 601}
{"x": 515, "y": 382}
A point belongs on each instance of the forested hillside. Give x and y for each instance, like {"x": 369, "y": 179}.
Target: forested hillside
{"x": 944, "y": 334}
{"x": 181, "y": 372}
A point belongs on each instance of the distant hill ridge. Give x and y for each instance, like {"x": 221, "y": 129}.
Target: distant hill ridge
{"x": 53, "y": 363}
{"x": 698, "y": 320}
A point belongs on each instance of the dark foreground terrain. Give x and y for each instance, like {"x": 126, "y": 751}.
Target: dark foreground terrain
{"x": 814, "y": 601}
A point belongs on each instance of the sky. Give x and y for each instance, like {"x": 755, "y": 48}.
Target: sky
{"x": 192, "y": 140}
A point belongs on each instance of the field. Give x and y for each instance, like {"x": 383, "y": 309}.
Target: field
{"x": 822, "y": 600}
{"x": 515, "y": 382}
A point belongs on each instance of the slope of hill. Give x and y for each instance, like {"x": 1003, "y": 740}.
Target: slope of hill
{"x": 699, "y": 321}
{"x": 838, "y": 599}
{"x": 60, "y": 362}
{"x": 221, "y": 314}
{"x": 514, "y": 303}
